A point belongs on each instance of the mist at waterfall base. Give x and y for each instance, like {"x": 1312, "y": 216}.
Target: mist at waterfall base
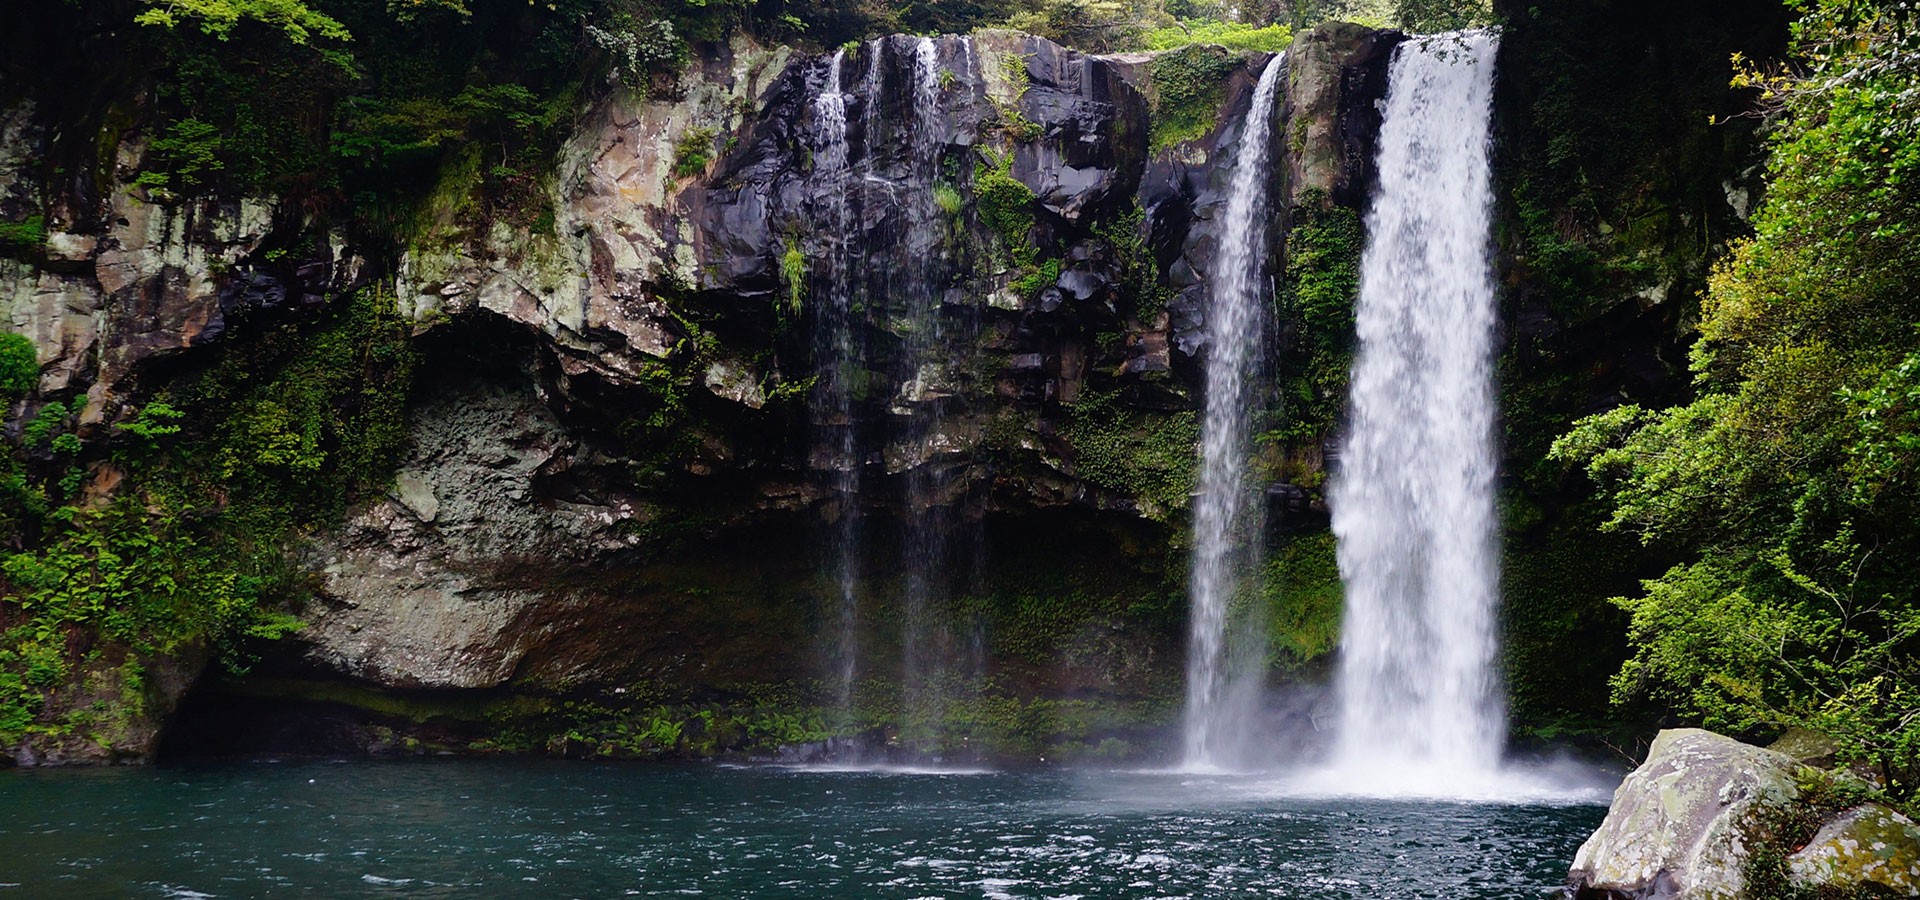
{"x": 528, "y": 828}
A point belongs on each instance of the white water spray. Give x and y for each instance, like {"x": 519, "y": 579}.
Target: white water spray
{"x": 1412, "y": 500}
{"x": 1224, "y": 533}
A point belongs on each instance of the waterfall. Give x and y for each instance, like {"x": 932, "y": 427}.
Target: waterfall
{"x": 1221, "y": 700}
{"x": 835, "y": 356}
{"x": 923, "y": 633}
{"x": 1412, "y": 498}
{"x": 885, "y": 250}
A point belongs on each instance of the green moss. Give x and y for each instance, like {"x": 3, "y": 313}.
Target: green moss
{"x": 1188, "y": 86}
{"x": 1141, "y": 291}
{"x": 1150, "y": 457}
{"x": 1037, "y": 279}
{"x": 19, "y": 366}
{"x": 1317, "y": 292}
{"x": 1005, "y": 206}
{"x": 1303, "y": 598}
{"x": 1773, "y": 832}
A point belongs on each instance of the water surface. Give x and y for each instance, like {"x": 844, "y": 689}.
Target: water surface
{"x": 467, "y": 828}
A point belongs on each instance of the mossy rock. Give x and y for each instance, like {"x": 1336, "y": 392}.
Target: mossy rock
{"x": 1867, "y": 850}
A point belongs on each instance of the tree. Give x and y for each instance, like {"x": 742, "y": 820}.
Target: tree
{"x": 299, "y": 22}
{"x": 1791, "y": 478}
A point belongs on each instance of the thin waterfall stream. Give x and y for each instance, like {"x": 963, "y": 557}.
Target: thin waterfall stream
{"x": 925, "y": 634}
{"x": 1412, "y": 499}
{"x": 1221, "y": 699}
{"x": 835, "y": 449}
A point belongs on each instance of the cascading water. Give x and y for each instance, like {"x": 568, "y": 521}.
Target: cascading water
{"x": 924, "y": 634}
{"x": 1224, "y": 526}
{"x": 1412, "y": 499}
{"x": 835, "y": 450}
{"x": 884, "y": 242}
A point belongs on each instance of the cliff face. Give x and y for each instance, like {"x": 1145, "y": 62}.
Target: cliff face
{"x": 619, "y": 470}
{"x": 733, "y": 363}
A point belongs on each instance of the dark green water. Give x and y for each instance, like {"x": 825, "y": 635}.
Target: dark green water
{"x": 538, "y": 829}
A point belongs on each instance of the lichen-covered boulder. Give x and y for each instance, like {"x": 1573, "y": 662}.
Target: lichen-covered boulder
{"x": 1867, "y": 847}
{"x": 1675, "y": 831}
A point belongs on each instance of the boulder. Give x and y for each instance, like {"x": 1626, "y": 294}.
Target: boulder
{"x": 1675, "y": 831}
{"x": 1869, "y": 848}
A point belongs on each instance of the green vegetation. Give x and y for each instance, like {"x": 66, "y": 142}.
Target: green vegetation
{"x": 947, "y": 199}
{"x": 280, "y": 433}
{"x": 19, "y": 367}
{"x": 1100, "y": 26}
{"x": 1013, "y": 67}
{"x": 1614, "y": 210}
{"x": 1241, "y": 36}
{"x": 1187, "y": 87}
{"x": 1303, "y": 598}
{"x": 1005, "y": 205}
{"x": 1316, "y": 297}
{"x": 23, "y": 239}
{"x": 692, "y": 153}
{"x": 1148, "y": 457}
{"x": 1775, "y": 832}
{"x": 1787, "y": 485}
{"x": 297, "y": 22}
{"x": 793, "y": 272}
{"x": 1140, "y": 287}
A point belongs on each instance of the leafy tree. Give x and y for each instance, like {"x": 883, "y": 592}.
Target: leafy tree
{"x": 300, "y": 23}
{"x": 1426, "y": 16}
{"x": 1791, "y": 477}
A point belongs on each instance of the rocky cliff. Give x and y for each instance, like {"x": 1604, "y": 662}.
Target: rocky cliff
{"x": 600, "y": 467}
{"x": 615, "y": 479}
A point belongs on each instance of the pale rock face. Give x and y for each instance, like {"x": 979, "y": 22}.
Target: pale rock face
{"x": 1869, "y": 846}
{"x": 1675, "y": 829}
{"x": 146, "y": 285}
{"x": 731, "y": 379}
{"x": 621, "y": 227}
{"x": 416, "y": 595}
{"x": 1330, "y": 102}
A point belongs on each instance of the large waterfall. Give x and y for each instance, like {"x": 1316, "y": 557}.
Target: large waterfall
{"x": 1221, "y": 698}
{"x": 1412, "y": 499}
{"x": 926, "y": 632}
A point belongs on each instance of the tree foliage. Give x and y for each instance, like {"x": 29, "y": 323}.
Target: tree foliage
{"x": 299, "y": 22}
{"x": 1790, "y": 477}
{"x": 280, "y": 433}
